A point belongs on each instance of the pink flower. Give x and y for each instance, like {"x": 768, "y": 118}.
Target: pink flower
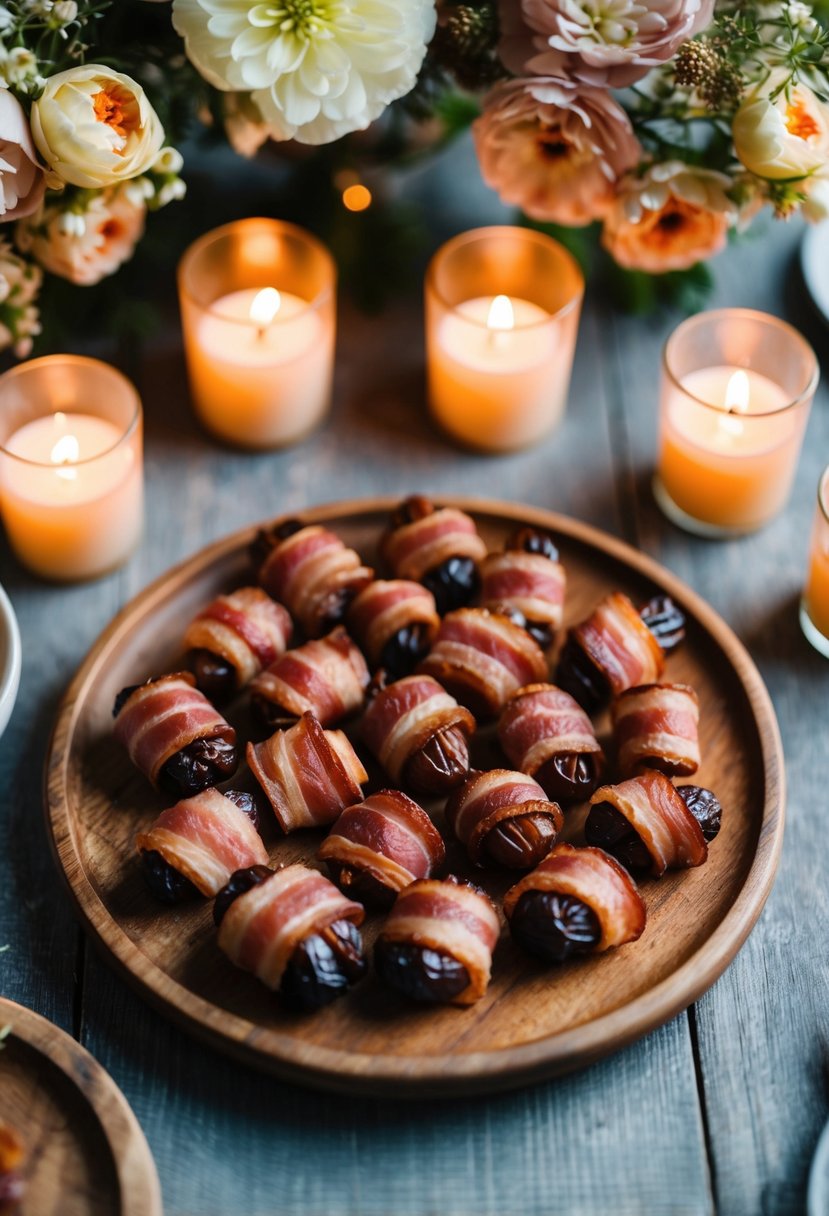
{"x": 609, "y": 43}
{"x": 84, "y": 248}
{"x": 669, "y": 219}
{"x": 553, "y": 149}
{"x": 22, "y": 180}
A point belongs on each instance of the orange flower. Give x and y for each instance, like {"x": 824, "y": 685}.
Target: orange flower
{"x": 674, "y": 238}
{"x": 84, "y": 248}
{"x": 669, "y": 219}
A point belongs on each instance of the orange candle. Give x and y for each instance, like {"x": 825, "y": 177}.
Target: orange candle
{"x": 814, "y": 607}
{"x": 258, "y": 312}
{"x": 735, "y": 402}
{"x": 502, "y": 310}
{"x": 71, "y": 480}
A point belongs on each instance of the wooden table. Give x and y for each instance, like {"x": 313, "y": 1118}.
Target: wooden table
{"x": 718, "y": 1111}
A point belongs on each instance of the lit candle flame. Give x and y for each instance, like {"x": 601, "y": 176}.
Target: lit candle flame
{"x": 264, "y": 307}
{"x": 501, "y": 314}
{"x": 738, "y": 393}
{"x": 65, "y": 453}
{"x": 737, "y": 397}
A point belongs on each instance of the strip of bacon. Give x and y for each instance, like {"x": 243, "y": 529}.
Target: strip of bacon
{"x": 453, "y": 918}
{"x": 308, "y": 774}
{"x": 529, "y": 583}
{"x": 598, "y": 881}
{"x": 620, "y": 644}
{"x": 402, "y": 717}
{"x": 206, "y": 838}
{"x": 541, "y": 721}
{"x": 161, "y": 717}
{"x": 416, "y": 548}
{"x": 657, "y": 813}
{"x": 487, "y": 799}
{"x": 389, "y": 837}
{"x": 657, "y": 726}
{"x": 482, "y": 658}
{"x": 262, "y": 928}
{"x": 315, "y": 575}
{"x": 326, "y": 677}
{"x": 246, "y": 628}
{"x": 385, "y": 607}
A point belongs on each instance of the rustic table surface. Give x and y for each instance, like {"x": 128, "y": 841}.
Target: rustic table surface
{"x": 720, "y": 1110}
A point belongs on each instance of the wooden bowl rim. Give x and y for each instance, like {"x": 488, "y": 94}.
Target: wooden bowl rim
{"x": 438, "y": 1075}
{"x": 134, "y": 1165}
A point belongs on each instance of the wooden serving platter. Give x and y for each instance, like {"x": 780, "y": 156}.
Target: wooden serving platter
{"x": 86, "y": 1154}
{"x": 534, "y": 1021}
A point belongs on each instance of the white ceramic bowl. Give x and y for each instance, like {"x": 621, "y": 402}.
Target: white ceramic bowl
{"x": 814, "y": 259}
{"x": 11, "y": 655}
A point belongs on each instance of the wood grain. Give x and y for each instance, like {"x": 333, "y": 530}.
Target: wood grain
{"x": 85, "y": 1152}
{"x": 530, "y": 1024}
{"x": 762, "y": 1031}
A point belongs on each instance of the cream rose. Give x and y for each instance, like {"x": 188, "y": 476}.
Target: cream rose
{"x": 782, "y": 137}
{"x": 22, "y": 180}
{"x": 95, "y": 127}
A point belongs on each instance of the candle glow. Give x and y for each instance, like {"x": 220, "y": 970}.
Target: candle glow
{"x": 71, "y": 482}
{"x": 264, "y": 306}
{"x": 730, "y": 426}
{"x": 502, "y": 311}
{"x": 260, "y": 359}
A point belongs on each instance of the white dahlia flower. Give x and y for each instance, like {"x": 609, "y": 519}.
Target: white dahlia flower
{"x": 316, "y": 69}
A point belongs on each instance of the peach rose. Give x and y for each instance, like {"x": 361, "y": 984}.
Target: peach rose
{"x": 610, "y": 43}
{"x": 673, "y": 217}
{"x": 553, "y": 149}
{"x": 87, "y": 247}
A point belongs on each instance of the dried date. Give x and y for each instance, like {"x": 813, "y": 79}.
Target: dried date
{"x": 554, "y": 927}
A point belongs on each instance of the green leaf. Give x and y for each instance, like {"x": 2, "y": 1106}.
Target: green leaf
{"x": 581, "y": 242}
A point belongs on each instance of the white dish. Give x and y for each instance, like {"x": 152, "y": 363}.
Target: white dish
{"x": 819, "y": 1177}
{"x": 11, "y": 656}
{"x": 814, "y": 261}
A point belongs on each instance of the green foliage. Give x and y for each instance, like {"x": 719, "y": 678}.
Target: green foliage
{"x": 635, "y": 292}
{"x": 583, "y": 243}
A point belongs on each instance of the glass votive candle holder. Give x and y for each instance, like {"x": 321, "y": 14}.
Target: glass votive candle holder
{"x": 71, "y": 466}
{"x": 737, "y": 386}
{"x": 814, "y": 606}
{"x": 502, "y": 317}
{"x": 258, "y": 308}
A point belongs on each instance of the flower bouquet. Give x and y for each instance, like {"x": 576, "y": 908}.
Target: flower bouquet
{"x": 657, "y": 125}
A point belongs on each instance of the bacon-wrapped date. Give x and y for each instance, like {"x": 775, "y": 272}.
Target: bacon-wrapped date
{"x": 546, "y": 733}
{"x": 504, "y": 817}
{"x": 526, "y": 583}
{"x": 12, "y": 1161}
{"x": 419, "y": 734}
{"x": 395, "y": 622}
{"x": 311, "y": 571}
{"x": 309, "y": 775}
{"x": 656, "y": 726}
{"x": 651, "y": 826}
{"x": 437, "y": 943}
{"x": 327, "y": 677}
{"x": 437, "y": 546}
{"x": 234, "y": 638}
{"x": 294, "y": 930}
{"x": 615, "y": 649}
{"x": 577, "y": 901}
{"x": 378, "y": 847}
{"x": 481, "y": 658}
{"x": 194, "y": 847}
{"x": 174, "y": 736}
